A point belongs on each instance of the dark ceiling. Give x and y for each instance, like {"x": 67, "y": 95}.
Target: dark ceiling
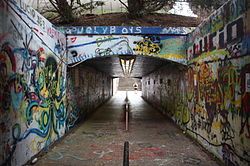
{"x": 143, "y": 65}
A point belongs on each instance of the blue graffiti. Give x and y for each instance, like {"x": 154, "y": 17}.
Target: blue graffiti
{"x": 124, "y": 30}
{"x": 94, "y": 42}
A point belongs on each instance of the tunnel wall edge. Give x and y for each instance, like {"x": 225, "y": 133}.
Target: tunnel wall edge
{"x": 211, "y": 99}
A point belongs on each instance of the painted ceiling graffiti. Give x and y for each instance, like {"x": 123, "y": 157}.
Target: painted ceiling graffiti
{"x": 82, "y": 48}
{"x": 113, "y": 40}
{"x": 125, "y": 30}
{"x": 148, "y": 46}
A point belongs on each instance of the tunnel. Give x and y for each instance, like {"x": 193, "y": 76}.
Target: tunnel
{"x": 148, "y": 132}
{"x": 68, "y": 96}
{"x": 94, "y": 81}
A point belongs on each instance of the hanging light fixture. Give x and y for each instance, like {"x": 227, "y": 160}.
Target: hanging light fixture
{"x": 127, "y": 63}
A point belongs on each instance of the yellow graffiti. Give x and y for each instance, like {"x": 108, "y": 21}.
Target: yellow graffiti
{"x": 147, "y": 47}
{"x": 216, "y": 125}
{"x": 228, "y": 87}
{"x": 212, "y": 55}
{"x": 172, "y": 56}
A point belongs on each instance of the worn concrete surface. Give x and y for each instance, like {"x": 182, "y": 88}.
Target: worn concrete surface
{"x": 153, "y": 139}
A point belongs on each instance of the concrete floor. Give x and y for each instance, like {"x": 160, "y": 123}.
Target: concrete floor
{"x": 153, "y": 139}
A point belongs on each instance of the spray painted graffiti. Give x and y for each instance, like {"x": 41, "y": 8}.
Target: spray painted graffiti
{"x": 172, "y": 87}
{"x": 82, "y": 48}
{"x": 148, "y": 46}
{"x": 216, "y": 92}
{"x": 73, "y": 112}
{"x": 7, "y": 63}
{"x": 124, "y": 30}
{"x": 233, "y": 33}
{"x": 41, "y": 27}
{"x": 218, "y": 85}
{"x": 43, "y": 97}
{"x": 32, "y": 85}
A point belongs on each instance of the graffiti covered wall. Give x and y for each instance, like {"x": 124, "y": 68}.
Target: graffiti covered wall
{"x": 88, "y": 89}
{"x": 32, "y": 83}
{"x": 82, "y": 48}
{"x": 216, "y": 92}
{"x": 218, "y": 83}
{"x": 211, "y": 99}
{"x": 165, "y": 89}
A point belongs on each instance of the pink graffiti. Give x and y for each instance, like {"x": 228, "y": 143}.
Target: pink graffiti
{"x": 54, "y": 34}
{"x": 73, "y": 39}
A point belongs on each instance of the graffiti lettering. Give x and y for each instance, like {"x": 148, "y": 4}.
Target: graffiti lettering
{"x": 232, "y": 33}
{"x": 53, "y": 33}
{"x": 119, "y": 30}
{"x": 147, "y": 47}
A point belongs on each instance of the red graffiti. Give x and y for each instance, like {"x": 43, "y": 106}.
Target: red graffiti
{"x": 152, "y": 153}
{"x": 73, "y": 39}
{"x": 41, "y": 54}
{"x": 37, "y": 31}
{"x": 6, "y": 49}
{"x": 54, "y": 34}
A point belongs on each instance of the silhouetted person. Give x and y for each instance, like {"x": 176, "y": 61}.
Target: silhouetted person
{"x": 135, "y": 85}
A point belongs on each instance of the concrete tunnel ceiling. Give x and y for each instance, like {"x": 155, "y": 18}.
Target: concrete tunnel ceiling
{"x": 143, "y": 65}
